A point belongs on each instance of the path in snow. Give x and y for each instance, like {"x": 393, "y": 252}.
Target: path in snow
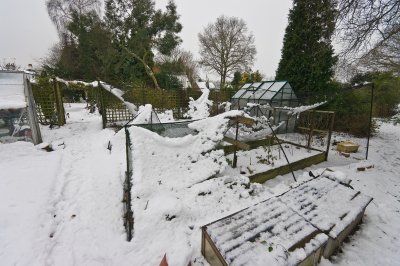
{"x": 82, "y": 220}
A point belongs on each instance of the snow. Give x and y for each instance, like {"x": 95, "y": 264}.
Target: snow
{"x": 78, "y": 82}
{"x": 12, "y": 94}
{"x": 27, "y": 176}
{"x": 303, "y": 108}
{"x": 245, "y": 237}
{"x": 64, "y": 207}
{"x": 115, "y": 91}
{"x": 199, "y": 109}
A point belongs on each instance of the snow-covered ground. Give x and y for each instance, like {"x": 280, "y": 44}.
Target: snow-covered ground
{"x": 65, "y": 207}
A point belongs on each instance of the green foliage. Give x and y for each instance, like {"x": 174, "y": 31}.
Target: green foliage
{"x": 256, "y": 76}
{"x": 353, "y": 105}
{"x": 168, "y": 81}
{"x": 386, "y": 94}
{"x": 96, "y": 48}
{"x": 247, "y": 77}
{"x": 307, "y": 55}
{"x": 237, "y": 76}
{"x": 352, "y": 111}
{"x": 135, "y": 25}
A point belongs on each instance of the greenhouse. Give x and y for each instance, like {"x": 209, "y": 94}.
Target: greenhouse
{"x": 272, "y": 93}
{"x": 18, "y": 119}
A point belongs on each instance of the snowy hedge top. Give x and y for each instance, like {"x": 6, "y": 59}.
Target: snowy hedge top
{"x": 12, "y": 94}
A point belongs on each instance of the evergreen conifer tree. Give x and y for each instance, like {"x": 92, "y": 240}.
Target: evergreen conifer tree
{"x": 308, "y": 59}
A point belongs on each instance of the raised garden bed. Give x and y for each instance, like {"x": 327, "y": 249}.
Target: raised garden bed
{"x": 266, "y": 162}
{"x": 295, "y": 228}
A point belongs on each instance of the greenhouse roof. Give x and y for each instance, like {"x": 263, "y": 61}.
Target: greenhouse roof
{"x": 12, "y": 93}
{"x": 265, "y": 90}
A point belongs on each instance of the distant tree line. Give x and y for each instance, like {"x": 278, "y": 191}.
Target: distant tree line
{"x": 119, "y": 48}
{"x": 135, "y": 43}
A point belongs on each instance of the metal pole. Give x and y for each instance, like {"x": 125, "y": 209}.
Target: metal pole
{"x": 234, "y": 146}
{"x": 284, "y": 153}
{"x": 370, "y": 119}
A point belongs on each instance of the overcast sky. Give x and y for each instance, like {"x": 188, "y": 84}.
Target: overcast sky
{"x": 26, "y": 32}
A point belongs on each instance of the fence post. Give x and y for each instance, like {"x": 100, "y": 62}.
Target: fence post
{"x": 329, "y": 135}
{"x": 129, "y": 220}
{"x": 59, "y": 103}
{"x": 103, "y": 107}
{"x": 312, "y": 116}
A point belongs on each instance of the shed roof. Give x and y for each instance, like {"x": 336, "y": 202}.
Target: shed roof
{"x": 12, "y": 93}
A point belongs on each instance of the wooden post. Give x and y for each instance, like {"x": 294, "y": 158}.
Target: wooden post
{"x": 129, "y": 220}
{"x": 59, "y": 104}
{"x": 103, "y": 107}
{"x": 312, "y": 116}
{"x": 329, "y": 135}
{"x": 234, "y": 146}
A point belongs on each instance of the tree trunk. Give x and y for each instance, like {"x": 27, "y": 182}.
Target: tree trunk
{"x": 148, "y": 70}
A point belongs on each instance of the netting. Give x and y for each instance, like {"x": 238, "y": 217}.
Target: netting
{"x": 171, "y": 130}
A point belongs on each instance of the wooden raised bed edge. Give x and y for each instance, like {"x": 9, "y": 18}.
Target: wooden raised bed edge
{"x": 282, "y": 170}
{"x": 214, "y": 257}
{"x": 253, "y": 144}
{"x": 210, "y": 251}
{"x": 334, "y": 243}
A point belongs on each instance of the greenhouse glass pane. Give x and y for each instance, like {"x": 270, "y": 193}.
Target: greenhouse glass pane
{"x": 242, "y": 103}
{"x": 277, "y": 86}
{"x": 268, "y": 95}
{"x": 255, "y": 85}
{"x": 287, "y": 86}
{"x": 266, "y": 85}
{"x": 239, "y": 93}
{"x": 247, "y": 94}
{"x": 287, "y": 93}
{"x": 12, "y": 94}
{"x": 245, "y": 86}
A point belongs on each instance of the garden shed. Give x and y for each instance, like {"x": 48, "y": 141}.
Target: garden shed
{"x": 274, "y": 93}
{"x": 18, "y": 119}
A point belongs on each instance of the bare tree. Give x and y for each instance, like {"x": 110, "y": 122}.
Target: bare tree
{"x": 53, "y": 56}
{"x": 384, "y": 56}
{"x": 226, "y": 46}
{"x": 60, "y": 11}
{"x": 367, "y": 24}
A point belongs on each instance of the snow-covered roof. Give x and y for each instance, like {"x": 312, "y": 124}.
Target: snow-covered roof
{"x": 12, "y": 93}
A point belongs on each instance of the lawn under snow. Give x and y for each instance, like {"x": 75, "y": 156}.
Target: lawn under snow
{"x": 65, "y": 207}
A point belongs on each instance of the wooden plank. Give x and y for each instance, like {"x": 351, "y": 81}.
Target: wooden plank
{"x": 210, "y": 251}
{"x": 282, "y": 141}
{"x": 269, "y": 140}
{"x": 285, "y": 169}
{"x": 316, "y": 130}
{"x": 237, "y": 143}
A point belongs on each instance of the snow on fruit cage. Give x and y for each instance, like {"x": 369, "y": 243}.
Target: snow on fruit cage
{"x": 18, "y": 119}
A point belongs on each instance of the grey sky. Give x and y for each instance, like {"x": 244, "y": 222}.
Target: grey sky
{"x": 26, "y": 32}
